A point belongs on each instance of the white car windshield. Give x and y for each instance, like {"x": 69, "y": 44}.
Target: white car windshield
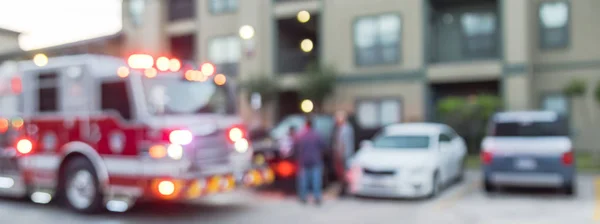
{"x": 174, "y": 95}
{"x": 322, "y": 124}
{"x": 401, "y": 142}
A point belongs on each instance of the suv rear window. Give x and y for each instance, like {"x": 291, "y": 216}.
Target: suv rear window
{"x": 530, "y": 129}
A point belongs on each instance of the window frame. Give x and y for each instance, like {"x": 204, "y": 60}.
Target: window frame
{"x": 542, "y": 29}
{"x": 399, "y": 48}
{"x": 172, "y": 16}
{"x": 545, "y": 95}
{"x": 237, "y": 63}
{"x": 194, "y": 38}
{"x": 131, "y": 97}
{"x": 446, "y": 135}
{"x": 224, "y": 12}
{"x": 378, "y": 102}
{"x": 57, "y": 88}
{"x": 466, "y": 54}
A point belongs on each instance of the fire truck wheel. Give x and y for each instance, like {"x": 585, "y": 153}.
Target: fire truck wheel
{"x": 81, "y": 187}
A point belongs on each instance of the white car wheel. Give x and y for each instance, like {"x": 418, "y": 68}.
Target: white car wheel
{"x": 81, "y": 187}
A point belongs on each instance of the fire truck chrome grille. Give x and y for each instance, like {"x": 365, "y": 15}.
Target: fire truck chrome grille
{"x": 211, "y": 150}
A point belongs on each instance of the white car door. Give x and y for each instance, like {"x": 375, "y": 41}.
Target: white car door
{"x": 446, "y": 157}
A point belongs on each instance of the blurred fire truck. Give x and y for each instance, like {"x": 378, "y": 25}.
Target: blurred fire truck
{"x": 102, "y": 132}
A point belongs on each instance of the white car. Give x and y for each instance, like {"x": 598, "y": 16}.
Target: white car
{"x": 410, "y": 160}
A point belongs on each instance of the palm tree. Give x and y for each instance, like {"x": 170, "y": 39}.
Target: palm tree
{"x": 317, "y": 84}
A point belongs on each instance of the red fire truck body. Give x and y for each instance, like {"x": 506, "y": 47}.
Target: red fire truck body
{"x": 102, "y": 140}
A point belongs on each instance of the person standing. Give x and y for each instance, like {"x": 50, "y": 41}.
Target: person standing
{"x": 343, "y": 147}
{"x": 310, "y": 148}
{"x": 287, "y": 143}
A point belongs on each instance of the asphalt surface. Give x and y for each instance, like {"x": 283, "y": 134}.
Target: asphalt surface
{"x": 463, "y": 203}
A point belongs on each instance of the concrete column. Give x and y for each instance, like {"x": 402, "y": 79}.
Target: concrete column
{"x": 517, "y": 45}
{"x": 149, "y": 37}
{"x": 258, "y": 14}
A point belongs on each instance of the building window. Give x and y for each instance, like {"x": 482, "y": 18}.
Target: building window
{"x": 223, "y": 6}
{"x": 225, "y": 53}
{"x": 378, "y": 113}
{"x": 48, "y": 92}
{"x": 554, "y": 24}
{"x": 377, "y": 40}
{"x": 556, "y": 102}
{"x": 116, "y": 90}
{"x": 183, "y": 47}
{"x": 181, "y": 9}
{"x": 479, "y": 30}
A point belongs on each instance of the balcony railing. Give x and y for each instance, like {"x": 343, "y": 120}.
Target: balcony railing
{"x": 294, "y": 60}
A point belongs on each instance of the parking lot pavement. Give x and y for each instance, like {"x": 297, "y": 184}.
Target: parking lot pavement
{"x": 463, "y": 203}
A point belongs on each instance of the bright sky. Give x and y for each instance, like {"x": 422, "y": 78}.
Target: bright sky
{"x": 46, "y": 23}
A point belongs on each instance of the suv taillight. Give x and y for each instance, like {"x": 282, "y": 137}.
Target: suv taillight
{"x": 567, "y": 158}
{"x": 486, "y": 157}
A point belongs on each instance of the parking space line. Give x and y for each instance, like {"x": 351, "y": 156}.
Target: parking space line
{"x": 447, "y": 202}
{"x": 597, "y": 199}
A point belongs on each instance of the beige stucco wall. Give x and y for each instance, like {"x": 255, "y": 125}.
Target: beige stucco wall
{"x": 150, "y": 36}
{"x": 516, "y": 88}
{"x": 337, "y": 40}
{"x": 409, "y": 92}
{"x": 8, "y": 43}
{"x": 585, "y": 112}
{"x": 465, "y": 71}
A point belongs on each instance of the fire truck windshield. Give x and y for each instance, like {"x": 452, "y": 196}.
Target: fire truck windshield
{"x": 169, "y": 95}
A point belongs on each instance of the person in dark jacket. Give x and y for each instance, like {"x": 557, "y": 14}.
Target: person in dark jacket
{"x": 310, "y": 148}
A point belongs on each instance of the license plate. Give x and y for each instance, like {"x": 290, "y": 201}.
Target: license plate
{"x": 379, "y": 182}
{"x": 525, "y": 164}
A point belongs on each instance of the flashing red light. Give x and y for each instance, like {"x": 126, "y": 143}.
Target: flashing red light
{"x": 24, "y": 146}
{"x": 174, "y": 65}
{"x": 567, "y": 158}
{"x": 486, "y": 157}
{"x": 140, "y": 61}
{"x": 285, "y": 169}
{"x": 235, "y": 134}
{"x": 162, "y": 64}
{"x": 181, "y": 137}
{"x": 4, "y": 124}
{"x": 207, "y": 69}
{"x": 16, "y": 85}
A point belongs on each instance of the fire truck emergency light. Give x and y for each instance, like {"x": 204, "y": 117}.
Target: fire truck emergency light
{"x": 24, "y": 146}
{"x": 174, "y": 65}
{"x": 181, "y": 137}
{"x": 15, "y": 85}
{"x": 140, "y": 61}
{"x": 207, "y": 69}
{"x": 162, "y": 63}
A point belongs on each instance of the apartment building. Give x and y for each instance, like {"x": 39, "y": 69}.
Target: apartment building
{"x": 396, "y": 58}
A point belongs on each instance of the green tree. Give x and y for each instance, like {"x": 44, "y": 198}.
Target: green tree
{"x": 469, "y": 117}
{"x": 317, "y": 84}
{"x": 265, "y": 85}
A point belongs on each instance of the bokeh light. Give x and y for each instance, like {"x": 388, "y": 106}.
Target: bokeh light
{"x": 306, "y": 45}
{"x": 307, "y": 106}
{"x": 174, "y": 65}
{"x": 123, "y": 72}
{"x": 303, "y": 16}
{"x": 247, "y": 32}
{"x": 151, "y": 72}
{"x": 162, "y": 64}
{"x": 40, "y": 60}
{"x": 220, "y": 79}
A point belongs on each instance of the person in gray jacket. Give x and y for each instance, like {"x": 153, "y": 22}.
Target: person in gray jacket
{"x": 343, "y": 147}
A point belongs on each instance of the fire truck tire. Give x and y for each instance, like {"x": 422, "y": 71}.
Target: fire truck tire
{"x": 81, "y": 191}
